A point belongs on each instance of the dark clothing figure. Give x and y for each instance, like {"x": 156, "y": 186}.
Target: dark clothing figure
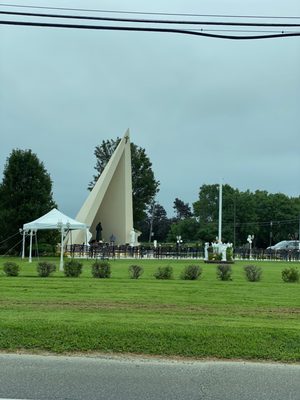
{"x": 99, "y": 232}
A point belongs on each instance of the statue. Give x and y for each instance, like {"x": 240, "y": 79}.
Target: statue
{"x": 206, "y": 246}
{"x": 99, "y": 232}
{"x": 132, "y": 238}
{"x": 223, "y": 248}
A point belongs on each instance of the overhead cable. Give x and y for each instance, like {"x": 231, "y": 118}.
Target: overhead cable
{"x": 139, "y": 29}
{"x": 150, "y": 13}
{"x": 150, "y": 21}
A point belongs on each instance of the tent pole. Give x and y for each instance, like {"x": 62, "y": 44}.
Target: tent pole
{"x": 61, "y": 264}
{"x": 30, "y": 247}
{"x": 23, "y": 246}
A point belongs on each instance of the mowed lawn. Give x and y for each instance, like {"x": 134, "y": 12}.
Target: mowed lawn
{"x": 200, "y": 319}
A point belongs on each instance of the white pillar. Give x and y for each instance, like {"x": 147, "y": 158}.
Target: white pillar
{"x": 23, "y": 245}
{"x": 220, "y": 214}
{"x": 30, "y": 247}
{"x": 61, "y": 264}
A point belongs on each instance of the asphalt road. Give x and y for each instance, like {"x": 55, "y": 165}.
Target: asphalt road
{"x": 120, "y": 378}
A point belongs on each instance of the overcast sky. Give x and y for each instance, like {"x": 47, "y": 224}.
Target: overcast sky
{"x": 203, "y": 108}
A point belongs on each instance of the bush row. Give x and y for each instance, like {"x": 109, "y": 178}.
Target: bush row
{"x": 102, "y": 269}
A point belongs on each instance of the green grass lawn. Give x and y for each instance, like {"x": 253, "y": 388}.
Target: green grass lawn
{"x": 205, "y": 318}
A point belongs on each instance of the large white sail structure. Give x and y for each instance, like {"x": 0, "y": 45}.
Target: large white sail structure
{"x": 110, "y": 201}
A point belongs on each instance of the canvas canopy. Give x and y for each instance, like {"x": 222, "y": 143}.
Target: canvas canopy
{"x": 54, "y": 219}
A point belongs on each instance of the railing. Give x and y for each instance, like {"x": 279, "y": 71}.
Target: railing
{"x": 105, "y": 250}
{"x": 111, "y": 251}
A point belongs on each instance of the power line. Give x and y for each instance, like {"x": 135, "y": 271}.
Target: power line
{"x": 238, "y": 30}
{"x": 149, "y": 21}
{"x": 151, "y": 13}
{"x": 258, "y": 223}
{"x": 138, "y": 29}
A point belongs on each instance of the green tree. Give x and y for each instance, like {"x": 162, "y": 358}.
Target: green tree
{"x": 207, "y": 211}
{"x": 182, "y": 210}
{"x": 278, "y": 217}
{"x": 156, "y": 215}
{"x": 269, "y": 217}
{"x": 187, "y": 228}
{"x": 144, "y": 185}
{"x": 25, "y": 194}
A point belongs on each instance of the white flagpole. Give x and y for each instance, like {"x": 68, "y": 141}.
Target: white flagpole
{"x": 220, "y": 213}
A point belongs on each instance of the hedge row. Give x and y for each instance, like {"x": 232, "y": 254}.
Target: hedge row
{"x": 102, "y": 269}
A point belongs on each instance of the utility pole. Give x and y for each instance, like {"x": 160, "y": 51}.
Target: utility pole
{"x": 151, "y": 221}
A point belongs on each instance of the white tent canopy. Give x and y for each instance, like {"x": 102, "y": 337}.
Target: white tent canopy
{"x": 54, "y": 219}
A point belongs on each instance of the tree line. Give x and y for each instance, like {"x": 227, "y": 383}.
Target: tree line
{"x": 269, "y": 217}
{"x": 26, "y": 194}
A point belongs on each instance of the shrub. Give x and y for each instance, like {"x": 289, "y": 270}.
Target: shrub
{"x": 229, "y": 254}
{"x": 164, "y": 272}
{"x": 224, "y": 272}
{"x": 72, "y": 268}
{"x": 44, "y": 249}
{"x": 11, "y": 268}
{"x": 253, "y": 273}
{"x": 135, "y": 271}
{"x": 44, "y": 269}
{"x": 290, "y": 274}
{"x": 101, "y": 269}
{"x": 191, "y": 272}
{"x": 214, "y": 256}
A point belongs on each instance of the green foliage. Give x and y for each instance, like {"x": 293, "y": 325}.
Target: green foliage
{"x": 157, "y": 216}
{"x": 11, "y": 268}
{"x": 224, "y": 272}
{"x": 25, "y": 194}
{"x": 44, "y": 249}
{"x": 290, "y": 275}
{"x": 165, "y": 272}
{"x": 240, "y": 208}
{"x": 191, "y": 272}
{"x": 206, "y": 209}
{"x": 72, "y": 268}
{"x": 229, "y": 254}
{"x": 182, "y": 210}
{"x": 101, "y": 269}
{"x": 276, "y": 207}
{"x": 187, "y": 228}
{"x": 213, "y": 254}
{"x": 144, "y": 185}
{"x": 45, "y": 269}
{"x": 253, "y": 273}
{"x": 135, "y": 271}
